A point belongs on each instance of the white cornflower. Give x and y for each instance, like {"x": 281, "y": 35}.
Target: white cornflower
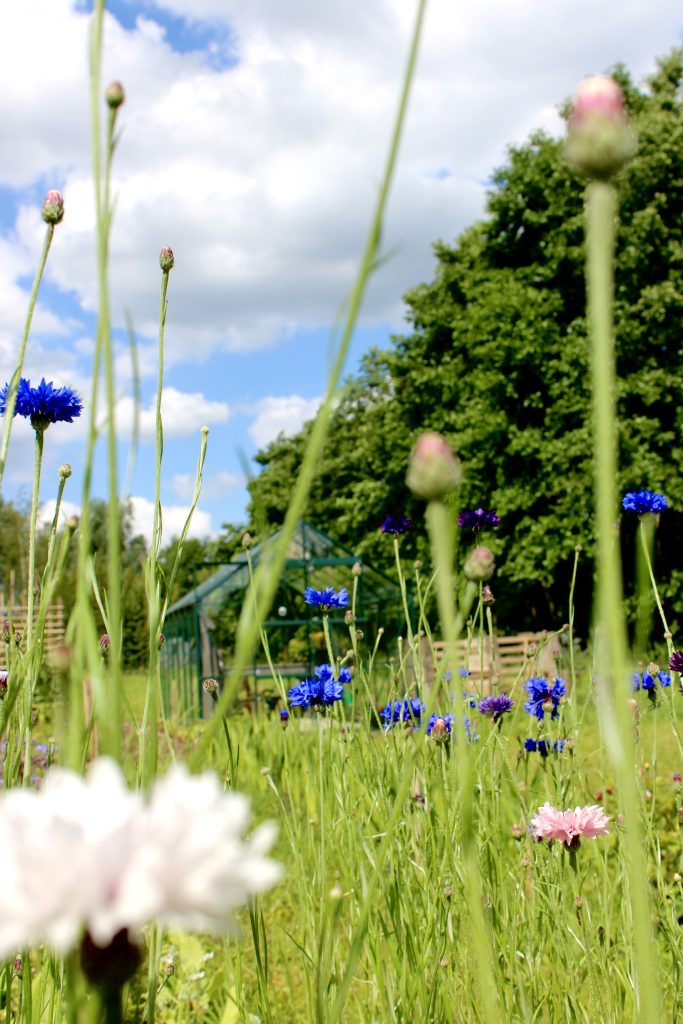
{"x": 89, "y": 853}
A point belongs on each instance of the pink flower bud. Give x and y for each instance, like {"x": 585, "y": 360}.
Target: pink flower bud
{"x": 53, "y": 207}
{"x": 480, "y": 564}
{"x": 166, "y": 259}
{"x": 599, "y": 138}
{"x": 433, "y": 469}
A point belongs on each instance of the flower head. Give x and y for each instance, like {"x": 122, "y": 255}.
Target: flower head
{"x": 326, "y": 599}
{"x": 642, "y": 502}
{"x": 543, "y": 747}
{"x": 325, "y": 673}
{"x": 647, "y": 679}
{"x": 599, "y": 138}
{"x": 496, "y": 706}
{"x": 88, "y": 853}
{"x": 433, "y": 469}
{"x": 569, "y": 826}
{"x": 478, "y": 519}
{"x": 676, "y": 661}
{"x": 396, "y": 525}
{"x": 43, "y": 405}
{"x": 544, "y": 697}
{"x": 53, "y": 207}
{"x": 317, "y": 693}
{"x": 408, "y": 711}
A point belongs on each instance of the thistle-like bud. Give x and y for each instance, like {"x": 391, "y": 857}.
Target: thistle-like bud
{"x": 53, "y": 207}
{"x": 433, "y": 470}
{"x": 211, "y": 687}
{"x": 114, "y": 95}
{"x": 440, "y": 731}
{"x": 487, "y": 595}
{"x": 247, "y": 541}
{"x": 599, "y": 138}
{"x": 349, "y": 617}
{"x": 480, "y": 564}
{"x": 356, "y": 569}
{"x": 104, "y": 644}
{"x": 65, "y": 471}
{"x": 3, "y": 684}
{"x": 161, "y": 641}
{"x": 166, "y": 259}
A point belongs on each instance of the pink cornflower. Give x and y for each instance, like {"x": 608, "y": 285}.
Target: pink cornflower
{"x": 569, "y": 826}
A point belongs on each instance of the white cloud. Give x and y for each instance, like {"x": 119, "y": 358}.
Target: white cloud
{"x": 284, "y": 414}
{"x": 46, "y": 512}
{"x": 183, "y": 414}
{"x": 217, "y": 485}
{"x": 262, "y": 175}
{"x": 173, "y": 520}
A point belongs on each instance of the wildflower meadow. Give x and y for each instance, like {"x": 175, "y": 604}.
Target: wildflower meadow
{"x": 407, "y": 828}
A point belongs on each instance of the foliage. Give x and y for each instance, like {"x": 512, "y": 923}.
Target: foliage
{"x": 497, "y": 359}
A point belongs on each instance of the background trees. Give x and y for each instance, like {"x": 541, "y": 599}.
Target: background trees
{"x": 496, "y": 358}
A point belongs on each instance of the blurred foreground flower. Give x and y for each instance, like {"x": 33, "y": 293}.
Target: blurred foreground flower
{"x": 599, "y": 138}
{"x": 43, "y": 405}
{"x": 90, "y": 854}
{"x": 643, "y": 502}
{"x": 569, "y": 826}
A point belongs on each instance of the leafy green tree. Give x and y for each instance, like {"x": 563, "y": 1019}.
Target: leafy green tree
{"x": 497, "y": 359}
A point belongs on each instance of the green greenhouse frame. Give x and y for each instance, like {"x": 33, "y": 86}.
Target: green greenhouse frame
{"x": 190, "y": 655}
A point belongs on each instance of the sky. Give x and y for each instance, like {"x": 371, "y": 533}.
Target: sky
{"x": 253, "y": 137}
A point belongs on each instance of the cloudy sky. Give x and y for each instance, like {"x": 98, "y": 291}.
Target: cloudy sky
{"x": 254, "y": 133}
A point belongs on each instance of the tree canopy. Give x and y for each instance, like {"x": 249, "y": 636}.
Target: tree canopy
{"x": 496, "y": 358}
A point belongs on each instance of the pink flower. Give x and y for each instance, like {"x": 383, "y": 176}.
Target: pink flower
{"x": 569, "y": 826}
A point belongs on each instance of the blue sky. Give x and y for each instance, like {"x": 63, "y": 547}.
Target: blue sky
{"x": 253, "y": 135}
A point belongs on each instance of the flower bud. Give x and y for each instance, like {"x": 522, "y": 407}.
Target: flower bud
{"x": 161, "y": 641}
{"x": 247, "y": 541}
{"x": 53, "y": 207}
{"x": 440, "y": 731}
{"x": 65, "y": 471}
{"x": 480, "y": 564}
{"x": 284, "y": 717}
{"x": 599, "y": 138}
{"x": 104, "y": 643}
{"x": 114, "y": 95}
{"x": 211, "y": 687}
{"x": 3, "y": 684}
{"x": 487, "y": 595}
{"x": 166, "y": 259}
{"x": 356, "y": 569}
{"x": 349, "y": 617}
{"x": 433, "y": 469}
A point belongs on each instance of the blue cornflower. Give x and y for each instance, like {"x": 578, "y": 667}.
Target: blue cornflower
{"x": 315, "y": 693}
{"x": 648, "y": 679}
{"x": 325, "y": 673}
{"x": 477, "y": 519}
{"x": 543, "y": 746}
{"x": 470, "y": 698}
{"x": 642, "y": 502}
{"x": 496, "y": 706}
{"x": 284, "y": 716}
{"x": 395, "y": 525}
{"x": 409, "y": 710}
{"x": 43, "y": 405}
{"x": 544, "y": 697}
{"x": 326, "y": 599}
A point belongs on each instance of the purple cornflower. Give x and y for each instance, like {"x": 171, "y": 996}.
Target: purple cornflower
{"x": 676, "y": 661}
{"x": 326, "y": 599}
{"x": 496, "y": 706}
{"x": 642, "y": 502}
{"x": 544, "y": 697}
{"x": 43, "y": 405}
{"x": 477, "y": 519}
{"x": 395, "y": 525}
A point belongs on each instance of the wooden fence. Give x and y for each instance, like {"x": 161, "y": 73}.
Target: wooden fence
{"x": 16, "y": 614}
{"x": 504, "y": 657}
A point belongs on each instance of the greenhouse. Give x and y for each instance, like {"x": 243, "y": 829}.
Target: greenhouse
{"x": 197, "y": 648}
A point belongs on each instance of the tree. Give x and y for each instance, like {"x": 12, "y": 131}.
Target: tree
{"x": 497, "y": 359}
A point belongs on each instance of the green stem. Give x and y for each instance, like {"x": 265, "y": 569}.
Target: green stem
{"x": 38, "y": 460}
{"x": 648, "y": 563}
{"x": 10, "y": 402}
{"x": 268, "y": 576}
{"x": 600, "y": 234}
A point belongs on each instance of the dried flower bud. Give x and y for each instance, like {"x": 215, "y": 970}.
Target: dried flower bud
{"x": 359, "y": 634}
{"x": 169, "y": 970}
{"x": 18, "y": 967}
{"x": 599, "y": 138}
{"x": 161, "y": 641}
{"x": 480, "y": 564}
{"x": 65, "y": 471}
{"x": 114, "y": 95}
{"x": 166, "y": 259}
{"x": 53, "y": 207}
{"x": 34, "y": 716}
{"x": 433, "y": 470}
{"x": 247, "y": 541}
{"x": 487, "y": 595}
